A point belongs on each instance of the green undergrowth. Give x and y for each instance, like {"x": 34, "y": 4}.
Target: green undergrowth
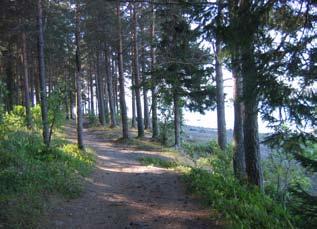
{"x": 158, "y": 162}
{"x": 30, "y": 174}
{"x": 212, "y": 179}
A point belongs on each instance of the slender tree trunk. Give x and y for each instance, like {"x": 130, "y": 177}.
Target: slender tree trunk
{"x": 101, "y": 104}
{"x": 36, "y": 81}
{"x": 31, "y": 73}
{"x": 106, "y": 99}
{"x": 9, "y": 78}
{"x": 66, "y": 97}
{"x": 136, "y": 72}
{"x": 238, "y": 138}
{"x": 133, "y": 100}
{"x": 72, "y": 96}
{"x": 145, "y": 90}
{"x": 80, "y": 140}
{"x": 177, "y": 120}
{"x": 155, "y": 127}
{"x": 115, "y": 84}
{"x": 110, "y": 89}
{"x": 91, "y": 84}
{"x": 123, "y": 107}
{"x": 42, "y": 74}
{"x": 221, "y": 117}
{"x": 26, "y": 83}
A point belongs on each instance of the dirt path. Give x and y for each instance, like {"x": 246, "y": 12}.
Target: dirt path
{"x": 121, "y": 193}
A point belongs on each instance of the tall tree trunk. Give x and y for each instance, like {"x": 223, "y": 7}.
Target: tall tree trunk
{"x": 80, "y": 140}
{"x": 72, "y": 97}
{"x": 155, "y": 127}
{"x": 123, "y": 107}
{"x": 115, "y": 83}
{"x": 100, "y": 95}
{"x": 106, "y": 101}
{"x": 250, "y": 130}
{"x": 247, "y": 26}
{"x": 66, "y": 97}
{"x": 221, "y": 117}
{"x": 238, "y": 138}
{"x": 133, "y": 100}
{"x": 110, "y": 89}
{"x": 145, "y": 89}
{"x": 91, "y": 87}
{"x": 36, "y": 81}
{"x": 9, "y": 78}
{"x": 42, "y": 74}
{"x": 31, "y": 74}
{"x": 136, "y": 72}
{"x": 27, "y": 102}
{"x": 177, "y": 119}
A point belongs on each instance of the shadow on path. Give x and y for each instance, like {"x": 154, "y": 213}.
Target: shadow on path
{"x": 122, "y": 193}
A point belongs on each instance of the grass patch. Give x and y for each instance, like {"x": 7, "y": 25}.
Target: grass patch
{"x": 30, "y": 173}
{"x": 158, "y": 162}
{"x": 240, "y": 205}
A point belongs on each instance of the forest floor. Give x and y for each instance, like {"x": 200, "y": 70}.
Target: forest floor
{"x": 123, "y": 193}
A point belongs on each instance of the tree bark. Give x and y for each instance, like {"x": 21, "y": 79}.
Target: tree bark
{"x": 133, "y": 100}
{"x": 177, "y": 120}
{"x": 100, "y": 95}
{"x": 109, "y": 82}
{"x": 66, "y": 97}
{"x": 145, "y": 89}
{"x": 250, "y": 130}
{"x": 27, "y": 102}
{"x": 247, "y": 27}
{"x": 155, "y": 127}
{"x": 42, "y": 74}
{"x": 221, "y": 117}
{"x": 36, "y": 81}
{"x": 238, "y": 138}
{"x": 91, "y": 87}
{"x": 80, "y": 141}
{"x": 9, "y": 78}
{"x": 136, "y": 72}
{"x": 123, "y": 107}
{"x": 115, "y": 83}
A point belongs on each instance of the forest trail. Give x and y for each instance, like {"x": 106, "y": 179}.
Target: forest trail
{"x": 122, "y": 193}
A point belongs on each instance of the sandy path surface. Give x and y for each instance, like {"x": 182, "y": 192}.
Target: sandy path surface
{"x": 121, "y": 193}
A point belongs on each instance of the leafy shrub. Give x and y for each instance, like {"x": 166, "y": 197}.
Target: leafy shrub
{"x": 243, "y": 206}
{"x": 16, "y": 118}
{"x": 29, "y": 172}
{"x": 281, "y": 172}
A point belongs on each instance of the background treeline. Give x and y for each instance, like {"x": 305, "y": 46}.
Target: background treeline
{"x": 81, "y": 57}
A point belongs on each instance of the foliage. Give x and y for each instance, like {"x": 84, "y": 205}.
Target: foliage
{"x": 302, "y": 148}
{"x": 243, "y": 206}
{"x": 281, "y": 172}
{"x": 29, "y": 172}
{"x": 16, "y": 118}
{"x": 166, "y": 125}
{"x": 159, "y": 162}
{"x": 92, "y": 119}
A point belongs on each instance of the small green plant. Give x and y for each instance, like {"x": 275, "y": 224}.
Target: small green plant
{"x": 158, "y": 162}
{"x": 242, "y": 206}
{"x": 29, "y": 172}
